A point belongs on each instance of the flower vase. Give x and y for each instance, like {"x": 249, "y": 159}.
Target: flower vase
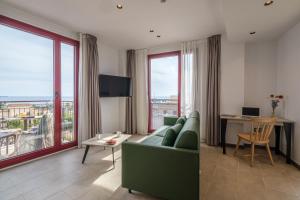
{"x": 273, "y": 113}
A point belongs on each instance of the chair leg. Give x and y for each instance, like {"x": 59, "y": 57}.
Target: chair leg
{"x": 237, "y": 146}
{"x": 269, "y": 153}
{"x": 252, "y": 153}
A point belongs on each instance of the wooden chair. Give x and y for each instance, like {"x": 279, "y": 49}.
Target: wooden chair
{"x": 260, "y": 134}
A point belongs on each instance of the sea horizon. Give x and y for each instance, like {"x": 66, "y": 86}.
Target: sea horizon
{"x": 31, "y": 98}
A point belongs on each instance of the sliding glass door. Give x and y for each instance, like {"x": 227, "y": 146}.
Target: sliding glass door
{"x": 37, "y": 92}
{"x": 67, "y": 93}
{"x": 164, "y": 87}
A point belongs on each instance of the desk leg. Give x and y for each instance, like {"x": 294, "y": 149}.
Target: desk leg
{"x": 223, "y": 134}
{"x": 277, "y": 139}
{"x": 113, "y": 155}
{"x": 288, "y": 135}
{"x": 85, "y": 153}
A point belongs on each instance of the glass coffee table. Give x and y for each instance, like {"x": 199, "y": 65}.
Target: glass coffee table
{"x": 102, "y": 142}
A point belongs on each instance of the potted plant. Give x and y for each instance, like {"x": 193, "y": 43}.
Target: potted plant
{"x": 275, "y": 100}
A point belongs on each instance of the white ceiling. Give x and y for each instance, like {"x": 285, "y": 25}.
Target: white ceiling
{"x": 175, "y": 20}
{"x": 244, "y": 16}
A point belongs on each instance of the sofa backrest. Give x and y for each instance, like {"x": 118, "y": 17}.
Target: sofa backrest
{"x": 188, "y": 136}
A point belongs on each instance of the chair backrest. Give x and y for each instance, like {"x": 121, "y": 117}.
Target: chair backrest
{"x": 262, "y": 128}
{"x": 45, "y": 126}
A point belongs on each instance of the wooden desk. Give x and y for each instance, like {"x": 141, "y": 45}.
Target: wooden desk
{"x": 281, "y": 122}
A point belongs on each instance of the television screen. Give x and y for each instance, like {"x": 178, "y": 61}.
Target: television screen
{"x": 114, "y": 86}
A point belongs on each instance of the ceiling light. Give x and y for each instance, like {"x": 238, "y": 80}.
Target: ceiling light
{"x": 163, "y": 1}
{"x": 267, "y": 3}
{"x": 252, "y": 33}
{"x": 119, "y": 6}
{"x": 151, "y": 31}
{"x": 158, "y": 36}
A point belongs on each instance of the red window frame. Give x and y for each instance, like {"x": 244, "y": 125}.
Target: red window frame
{"x": 162, "y": 55}
{"x": 57, "y": 39}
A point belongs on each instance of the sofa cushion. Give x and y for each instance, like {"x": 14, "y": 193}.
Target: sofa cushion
{"x": 181, "y": 120}
{"x": 153, "y": 140}
{"x": 171, "y": 135}
{"x": 188, "y": 136}
{"x": 187, "y": 140}
{"x": 161, "y": 131}
{"x": 177, "y": 128}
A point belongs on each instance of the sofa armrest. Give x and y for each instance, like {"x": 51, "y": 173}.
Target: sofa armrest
{"x": 164, "y": 172}
{"x": 170, "y": 120}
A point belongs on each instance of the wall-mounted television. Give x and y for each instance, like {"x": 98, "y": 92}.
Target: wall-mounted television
{"x": 114, "y": 86}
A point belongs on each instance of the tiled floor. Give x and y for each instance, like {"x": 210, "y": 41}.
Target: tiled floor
{"x": 63, "y": 177}
{"x": 224, "y": 177}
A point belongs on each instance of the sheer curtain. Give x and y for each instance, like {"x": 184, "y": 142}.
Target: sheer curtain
{"x": 141, "y": 63}
{"x": 194, "y": 80}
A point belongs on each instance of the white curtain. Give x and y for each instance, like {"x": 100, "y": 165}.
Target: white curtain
{"x": 141, "y": 90}
{"x": 194, "y": 80}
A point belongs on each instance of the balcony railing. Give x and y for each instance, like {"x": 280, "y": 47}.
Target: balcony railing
{"x": 27, "y": 126}
{"x": 161, "y": 108}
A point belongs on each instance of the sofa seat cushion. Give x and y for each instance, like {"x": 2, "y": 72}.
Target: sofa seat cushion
{"x": 161, "y": 131}
{"x": 171, "y": 135}
{"x": 153, "y": 140}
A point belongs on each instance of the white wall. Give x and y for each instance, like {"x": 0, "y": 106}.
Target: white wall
{"x": 260, "y": 75}
{"x": 110, "y": 106}
{"x": 288, "y": 81}
{"x": 164, "y": 48}
{"x": 232, "y": 77}
{"x": 232, "y": 83}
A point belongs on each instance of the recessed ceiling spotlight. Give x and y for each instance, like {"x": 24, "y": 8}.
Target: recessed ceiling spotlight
{"x": 151, "y": 31}
{"x": 158, "y": 36}
{"x": 267, "y": 3}
{"x": 119, "y": 6}
{"x": 252, "y": 33}
{"x": 163, "y": 1}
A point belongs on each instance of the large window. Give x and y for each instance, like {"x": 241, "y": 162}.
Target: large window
{"x": 37, "y": 92}
{"x": 164, "y": 90}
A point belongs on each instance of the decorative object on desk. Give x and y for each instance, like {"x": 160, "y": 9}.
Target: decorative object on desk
{"x": 111, "y": 142}
{"x": 275, "y": 102}
{"x": 118, "y": 133}
{"x": 98, "y": 136}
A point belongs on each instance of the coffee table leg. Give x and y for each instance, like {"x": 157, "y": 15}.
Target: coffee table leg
{"x": 85, "y": 152}
{"x": 113, "y": 155}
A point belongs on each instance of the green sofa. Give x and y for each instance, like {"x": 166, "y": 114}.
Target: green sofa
{"x": 167, "y": 172}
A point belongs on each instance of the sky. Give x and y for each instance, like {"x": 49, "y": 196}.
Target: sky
{"x": 26, "y": 64}
{"x": 26, "y": 67}
{"x": 164, "y": 76}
